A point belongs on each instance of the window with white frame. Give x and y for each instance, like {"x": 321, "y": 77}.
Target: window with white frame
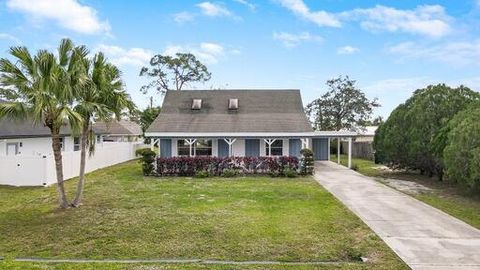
{"x": 199, "y": 148}
{"x": 203, "y": 148}
{"x": 76, "y": 143}
{"x": 183, "y": 148}
{"x": 276, "y": 148}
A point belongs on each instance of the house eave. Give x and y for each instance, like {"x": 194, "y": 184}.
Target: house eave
{"x": 311, "y": 134}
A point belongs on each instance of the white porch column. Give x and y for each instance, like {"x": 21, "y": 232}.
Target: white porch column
{"x": 350, "y": 152}
{"x": 152, "y": 145}
{"x": 338, "y": 150}
{"x": 328, "y": 149}
{"x": 190, "y": 143}
{"x": 230, "y": 145}
{"x": 304, "y": 143}
{"x": 269, "y": 143}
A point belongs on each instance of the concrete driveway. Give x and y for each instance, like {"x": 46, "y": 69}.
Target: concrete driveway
{"x": 422, "y": 236}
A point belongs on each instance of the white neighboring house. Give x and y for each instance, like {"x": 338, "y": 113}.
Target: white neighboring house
{"x": 26, "y": 155}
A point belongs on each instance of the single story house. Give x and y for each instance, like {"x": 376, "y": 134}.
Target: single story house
{"x": 118, "y": 131}
{"x": 26, "y": 155}
{"x": 238, "y": 123}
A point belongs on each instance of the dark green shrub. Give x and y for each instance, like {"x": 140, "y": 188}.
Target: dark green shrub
{"x": 306, "y": 162}
{"x": 230, "y": 173}
{"x": 290, "y": 173}
{"x": 140, "y": 151}
{"x": 202, "y": 174}
{"x": 147, "y": 160}
{"x": 414, "y": 136}
{"x": 462, "y": 153}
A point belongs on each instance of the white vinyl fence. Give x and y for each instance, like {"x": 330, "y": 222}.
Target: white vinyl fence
{"x": 22, "y": 170}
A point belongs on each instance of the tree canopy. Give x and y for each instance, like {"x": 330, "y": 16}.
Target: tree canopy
{"x": 42, "y": 87}
{"x": 413, "y": 137}
{"x": 462, "y": 152}
{"x": 174, "y": 72}
{"x": 344, "y": 106}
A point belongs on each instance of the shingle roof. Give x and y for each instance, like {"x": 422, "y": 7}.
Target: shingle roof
{"x": 122, "y": 127}
{"x": 259, "y": 111}
{"x": 26, "y": 129}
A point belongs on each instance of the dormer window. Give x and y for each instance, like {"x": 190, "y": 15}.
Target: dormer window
{"x": 233, "y": 104}
{"x": 196, "y": 104}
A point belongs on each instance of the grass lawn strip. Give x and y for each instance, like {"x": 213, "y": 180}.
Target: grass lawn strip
{"x": 128, "y": 216}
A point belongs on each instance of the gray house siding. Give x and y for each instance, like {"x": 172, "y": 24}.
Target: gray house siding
{"x": 252, "y": 147}
{"x": 165, "y": 147}
{"x": 294, "y": 147}
{"x": 320, "y": 148}
{"x": 222, "y": 148}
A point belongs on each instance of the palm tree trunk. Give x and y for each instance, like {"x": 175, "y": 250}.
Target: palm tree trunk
{"x": 83, "y": 153}
{"x": 57, "y": 154}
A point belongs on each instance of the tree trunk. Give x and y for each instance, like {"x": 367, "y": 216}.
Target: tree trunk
{"x": 57, "y": 154}
{"x": 83, "y": 154}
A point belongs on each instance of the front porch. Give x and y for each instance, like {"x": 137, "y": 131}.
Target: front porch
{"x": 253, "y": 144}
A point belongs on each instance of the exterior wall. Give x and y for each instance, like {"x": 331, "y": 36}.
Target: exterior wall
{"x": 238, "y": 148}
{"x": 39, "y": 170}
{"x": 34, "y": 146}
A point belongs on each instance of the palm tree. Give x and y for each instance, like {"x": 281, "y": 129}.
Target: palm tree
{"x": 100, "y": 99}
{"x": 41, "y": 88}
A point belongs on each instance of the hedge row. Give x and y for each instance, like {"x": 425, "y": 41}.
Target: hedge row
{"x": 216, "y": 166}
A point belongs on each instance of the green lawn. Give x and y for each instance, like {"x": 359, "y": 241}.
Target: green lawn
{"x": 128, "y": 216}
{"x": 444, "y": 196}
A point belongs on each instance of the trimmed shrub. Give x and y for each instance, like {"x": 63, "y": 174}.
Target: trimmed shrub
{"x": 216, "y": 166}
{"x": 202, "y": 174}
{"x": 140, "y": 151}
{"x": 147, "y": 160}
{"x": 290, "y": 173}
{"x": 306, "y": 162}
{"x": 230, "y": 173}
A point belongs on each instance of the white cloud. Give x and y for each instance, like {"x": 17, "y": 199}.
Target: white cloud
{"x": 347, "y": 50}
{"x": 121, "y": 57}
{"x": 206, "y": 52}
{"x": 214, "y": 10}
{"x": 321, "y": 18}
{"x": 428, "y": 20}
{"x": 183, "y": 17}
{"x": 69, "y": 14}
{"x": 251, "y": 6}
{"x": 291, "y": 40}
{"x": 458, "y": 53}
{"x": 6, "y": 36}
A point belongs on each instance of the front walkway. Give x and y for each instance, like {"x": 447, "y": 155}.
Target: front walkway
{"x": 422, "y": 236}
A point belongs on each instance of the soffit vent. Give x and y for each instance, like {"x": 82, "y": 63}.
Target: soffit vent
{"x": 196, "y": 104}
{"x": 233, "y": 104}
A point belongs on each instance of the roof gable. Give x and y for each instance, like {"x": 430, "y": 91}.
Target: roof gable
{"x": 258, "y": 111}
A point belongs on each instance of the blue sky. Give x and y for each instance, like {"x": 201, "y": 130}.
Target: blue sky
{"x": 390, "y": 47}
